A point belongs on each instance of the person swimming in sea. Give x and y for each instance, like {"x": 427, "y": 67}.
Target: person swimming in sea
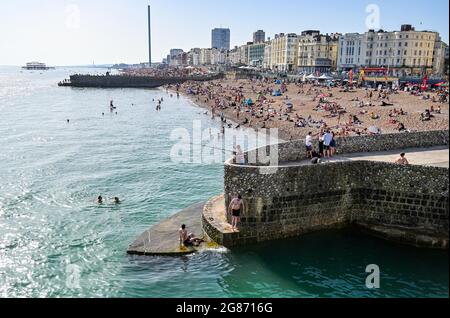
{"x": 100, "y": 199}
{"x": 117, "y": 200}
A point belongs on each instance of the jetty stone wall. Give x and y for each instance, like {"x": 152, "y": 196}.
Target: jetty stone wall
{"x": 295, "y": 150}
{"x": 404, "y": 203}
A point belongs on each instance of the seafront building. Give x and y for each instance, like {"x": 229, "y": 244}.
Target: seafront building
{"x": 234, "y": 57}
{"x": 256, "y": 54}
{"x": 351, "y": 52}
{"x": 399, "y": 53}
{"x": 267, "y": 55}
{"x": 205, "y": 56}
{"x": 220, "y": 39}
{"x": 259, "y": 37}
{"x": 218, "y": 57}
{"x": 439, "y": 57}
{"x": 317, "y": 53}
{"x": 194, "y": 57}
{"x": 284, "y": 52}
{"x": 404, "y": 53}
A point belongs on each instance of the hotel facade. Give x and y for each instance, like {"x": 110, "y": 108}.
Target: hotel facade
{"x": 403, "y": 53}
{"x": 317, "y": 53}
{"x": 399, "y": 53}
{"x": 284, "y": 52}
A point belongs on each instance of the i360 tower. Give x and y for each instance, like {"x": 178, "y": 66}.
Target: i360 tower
{"x": 149, "y": 37}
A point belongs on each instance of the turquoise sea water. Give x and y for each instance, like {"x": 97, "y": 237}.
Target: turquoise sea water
{"x": 56, "y": 242}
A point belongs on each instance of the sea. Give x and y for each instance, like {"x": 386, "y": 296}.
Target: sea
{"x": 62, "y": 147}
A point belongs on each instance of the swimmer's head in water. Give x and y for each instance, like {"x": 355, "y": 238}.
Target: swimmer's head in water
{"x": 116, "y": 200}
{"x": 100, "y": 199}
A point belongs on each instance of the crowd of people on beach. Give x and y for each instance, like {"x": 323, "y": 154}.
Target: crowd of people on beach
{"x": 166, "y": 72}
{"x": 296, "y": 108}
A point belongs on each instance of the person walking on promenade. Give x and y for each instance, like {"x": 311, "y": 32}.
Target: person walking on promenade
{"x": 321, "y": 146}
{"x": 240, "y": 158}
{"x": 235, "y": 209}
{"x": 309, "y": 145}
{"x": 327, "y": 140}
{"x": 333, "y": 144}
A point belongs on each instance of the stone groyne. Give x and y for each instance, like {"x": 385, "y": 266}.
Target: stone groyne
{"x": 127, "y": 81}
{"x": 408, "y": 204}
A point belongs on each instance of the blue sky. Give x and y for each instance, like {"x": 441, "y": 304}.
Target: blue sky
{"x": 74, "y": 32}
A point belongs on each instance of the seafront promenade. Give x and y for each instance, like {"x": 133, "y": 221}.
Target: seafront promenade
{"x": 431, "y": 157}
{"x": 408, "y": 204}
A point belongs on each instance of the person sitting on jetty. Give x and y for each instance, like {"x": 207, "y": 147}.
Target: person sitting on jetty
{"x": 188, "y": 239}
{"x": 316, "y": 158}
{"x": 402, "y": 160}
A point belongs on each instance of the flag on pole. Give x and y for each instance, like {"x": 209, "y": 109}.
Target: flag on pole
{"x": 425, "y": 83}
{"x": 350, "y": 77}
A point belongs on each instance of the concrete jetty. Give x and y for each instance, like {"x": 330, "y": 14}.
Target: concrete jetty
{"x": 362, "y": 186}
{"x": 128, "y": 81}
{"x": 163, "y": 240}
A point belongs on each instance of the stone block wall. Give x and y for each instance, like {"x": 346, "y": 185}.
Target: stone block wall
{"x": 295, "y": 150}
{"x": 300, "y": 199}
{"x": 295, "y": 199}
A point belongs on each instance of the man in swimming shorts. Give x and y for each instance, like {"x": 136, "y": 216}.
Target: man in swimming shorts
{"x": 188, "y": 239}
{"x": 235, "y": 209}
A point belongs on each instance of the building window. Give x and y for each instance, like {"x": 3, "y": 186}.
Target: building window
{"x": 406, "y": 43}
